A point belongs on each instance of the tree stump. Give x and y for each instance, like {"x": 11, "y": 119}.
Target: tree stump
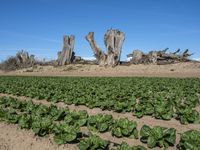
{"x": 98, "y": 53}
{"x": 113, "y": 40}
{"x": 136, "y": 56}
{"x": 66, "y": 55}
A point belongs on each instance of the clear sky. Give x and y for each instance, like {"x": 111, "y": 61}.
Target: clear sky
{"x": 38, "y": 26}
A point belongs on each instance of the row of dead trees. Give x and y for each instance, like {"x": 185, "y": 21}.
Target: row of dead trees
{"x": 161, "y": 57}
{"x": 113, "y": 40}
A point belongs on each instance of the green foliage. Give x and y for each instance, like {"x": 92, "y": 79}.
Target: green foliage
{"x": 57, "y": 114}
{"x": 143, "y": 107}
{"x": 2, "y": 114}
{"x": 190, "y": 140}
{"x": 162, "y": 98}
{"x": 100, "y": 122}
{"x": 125, "y": 146}
{"x": 187, "y": 115}
{"x": 11, "y": 116}
{"x": 93, "y": 142}
{"x": 158, "y": 136}
{"x": 78, "y": 118}
{"x": 157, "y": 97}
{"x": 25, "y": 121}
{"x": 42, "y": 125}
{"x": 65, "y": 133}
{"x": 124, "y": 128}
{"x": 163, "y": 109}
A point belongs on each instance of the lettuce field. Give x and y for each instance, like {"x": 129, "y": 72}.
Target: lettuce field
{"x": 164, "y": 99}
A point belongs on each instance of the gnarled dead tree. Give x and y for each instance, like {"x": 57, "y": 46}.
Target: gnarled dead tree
{"x": 158, "y": 57}
{"x": 98, "y": 53}
{"x": 21, "y": 60}
{"x": 66, "y": 56}
{"x": 113, "y": 40}
{"x": 135, "y": 57}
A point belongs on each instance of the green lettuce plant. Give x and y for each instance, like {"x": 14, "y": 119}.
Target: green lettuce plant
{"x": 158, "y": 136}
{"x": 124, "y": 128}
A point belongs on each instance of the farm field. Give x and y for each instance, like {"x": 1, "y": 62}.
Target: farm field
{"x": 101, "y": 112}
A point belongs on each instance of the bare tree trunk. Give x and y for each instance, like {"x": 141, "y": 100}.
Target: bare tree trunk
{"x": 113, "y": 40}
{"x": 98, "y": 53}
{"x": 136, "y": 57}
{"x": 152, "y": 57}
{"x": 66, "y": 55}
{"x": 23, "y": 58}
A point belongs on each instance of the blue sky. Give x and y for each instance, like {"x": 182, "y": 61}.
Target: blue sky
{"x": 39, "y": 25}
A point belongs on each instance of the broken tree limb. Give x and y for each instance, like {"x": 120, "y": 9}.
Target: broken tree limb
{"x": 177, "y": 51}
{"x": 66, "y": 55}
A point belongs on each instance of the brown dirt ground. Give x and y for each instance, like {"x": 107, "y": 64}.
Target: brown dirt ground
{"x": 14, "y": 138}
{"x": 186, "y": 69}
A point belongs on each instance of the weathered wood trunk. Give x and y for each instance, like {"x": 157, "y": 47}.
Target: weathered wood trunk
{"x": 158, "y": 57}
{"x": 152, "y": 57}
{"x": 66, "y": 55}
{"x": 113, "y": 40}
{"x": 24, "y": 58}
{"x": 98, "y": 53}
{"x": 136, "y": 56}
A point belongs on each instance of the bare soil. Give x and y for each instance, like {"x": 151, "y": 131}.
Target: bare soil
{"x": 186, "y": 69}
{"x": 14, "y": 138}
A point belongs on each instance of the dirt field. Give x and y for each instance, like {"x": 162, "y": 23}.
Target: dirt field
{"x": 187, "y": 69}
{"x": 13, "y": 138}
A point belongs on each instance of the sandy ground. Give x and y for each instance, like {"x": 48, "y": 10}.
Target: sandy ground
{"x": 8, "y": 130}
{"x": 14, "y": 138}
{"x": 187, "y": 69}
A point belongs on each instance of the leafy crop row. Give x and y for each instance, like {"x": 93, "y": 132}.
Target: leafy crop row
{"x": 190, "y": 140}
{"x": 65, "y": 126}
{"x": 162, "y": 98}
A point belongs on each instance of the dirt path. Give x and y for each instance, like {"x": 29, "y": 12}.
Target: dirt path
{"x": 107, "y": 136}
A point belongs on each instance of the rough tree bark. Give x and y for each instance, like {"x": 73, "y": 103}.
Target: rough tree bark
{"x": 67, "y": 54}
{"x": 98, "y": 53}
{"x": 113, "y": 40}
{"x": 159, "y": 57}
{"x": 136, "y": 56}
{"x": 152, "y": 57}
{"x": 24, "y": 58}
